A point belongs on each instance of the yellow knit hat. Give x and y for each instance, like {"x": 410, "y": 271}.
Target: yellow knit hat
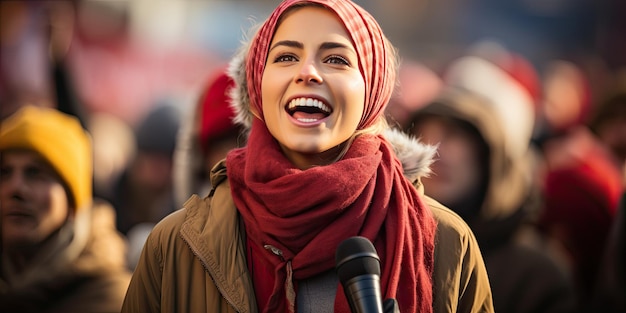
{"x": 60, "y": 139}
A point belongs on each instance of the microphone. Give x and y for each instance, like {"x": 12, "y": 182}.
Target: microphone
{"x": 358, "y": 268}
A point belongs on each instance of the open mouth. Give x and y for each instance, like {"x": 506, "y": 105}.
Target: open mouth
{"x": 308, "y": 110}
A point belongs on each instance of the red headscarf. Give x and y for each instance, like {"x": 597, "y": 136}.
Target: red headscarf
{"x": 305, "y": 214}
{"x": 375, "y": 59}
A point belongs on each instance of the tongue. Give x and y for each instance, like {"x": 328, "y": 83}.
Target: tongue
{"x": 303, "y": 115}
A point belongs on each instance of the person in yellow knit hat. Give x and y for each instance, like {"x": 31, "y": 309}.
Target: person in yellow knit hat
{"x": 60, "y": 251}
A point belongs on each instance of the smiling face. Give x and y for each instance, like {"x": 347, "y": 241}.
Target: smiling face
{"x": 313, "y": 93}
{"x": 33, "y": 200}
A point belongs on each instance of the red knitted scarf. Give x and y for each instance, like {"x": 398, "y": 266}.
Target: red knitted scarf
{"x": 305, "y": 214}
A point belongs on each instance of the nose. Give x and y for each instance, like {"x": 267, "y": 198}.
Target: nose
{"x": 308, "y": 73}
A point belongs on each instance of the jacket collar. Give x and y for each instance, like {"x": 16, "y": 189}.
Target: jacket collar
{"x": 216, "y": 238}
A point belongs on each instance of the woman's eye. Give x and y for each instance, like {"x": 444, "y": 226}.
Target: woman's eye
{"x": 336, "y": 59}
{"x": 285, "y": 58}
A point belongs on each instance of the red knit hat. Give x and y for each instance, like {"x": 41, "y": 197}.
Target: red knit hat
{"x": 583, "y": 195}
{"x": 216, "y": 113}
{"x": 581, "y": 200}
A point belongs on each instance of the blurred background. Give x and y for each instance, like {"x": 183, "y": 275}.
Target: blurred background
{"x": 123, "y": 56}
{"x": 145, "y": 77}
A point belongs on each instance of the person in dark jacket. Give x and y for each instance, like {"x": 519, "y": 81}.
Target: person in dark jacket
{"x": 60, "y": 251}
{"x": 482, "y": 123}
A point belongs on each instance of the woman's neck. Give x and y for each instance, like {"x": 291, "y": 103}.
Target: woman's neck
{"x": 304, "y": 161}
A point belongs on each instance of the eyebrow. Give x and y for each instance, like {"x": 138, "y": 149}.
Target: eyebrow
{"x": 288, "y": 43}
{"x": 299, "y": 45}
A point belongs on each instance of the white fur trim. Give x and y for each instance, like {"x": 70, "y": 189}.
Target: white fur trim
{"x": 416, "y": 157}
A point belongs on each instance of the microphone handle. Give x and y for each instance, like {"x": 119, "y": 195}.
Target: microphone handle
{"x": 363, "y": 294}
{"x": 391, "y": 306}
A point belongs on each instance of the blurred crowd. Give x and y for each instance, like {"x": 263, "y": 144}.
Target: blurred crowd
{"x": 531, "y": 148}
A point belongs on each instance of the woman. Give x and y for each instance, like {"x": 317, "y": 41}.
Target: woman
{"x": 316, "y": 170}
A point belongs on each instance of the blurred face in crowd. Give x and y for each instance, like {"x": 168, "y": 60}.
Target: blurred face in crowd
{"x": 313, "y": 93}
{"x": 33, "y": 200}
{"x": 563, "y": 97}
{"x": 458, "y": 167}
{"x": 152, "y": 170}
{"x": 219, "y": 148}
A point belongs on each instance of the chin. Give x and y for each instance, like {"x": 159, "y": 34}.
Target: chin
{"x": 304, "y": 148}
{"x": 18, "y": 242}
{"x": 305, "y": 144}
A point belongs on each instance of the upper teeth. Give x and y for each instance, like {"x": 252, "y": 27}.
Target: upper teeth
{"x": 308, "y": 102}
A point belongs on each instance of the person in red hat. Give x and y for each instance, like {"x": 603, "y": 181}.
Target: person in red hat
{"x": 581, "y": 180}
{"x": 204, "y": 142}
{"x": 608, "y": 123}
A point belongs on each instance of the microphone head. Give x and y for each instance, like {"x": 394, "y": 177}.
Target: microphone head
{"x": 356, "y": 256}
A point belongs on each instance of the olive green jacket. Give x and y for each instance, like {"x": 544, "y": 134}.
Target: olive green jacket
{"x": 195, "y": 261}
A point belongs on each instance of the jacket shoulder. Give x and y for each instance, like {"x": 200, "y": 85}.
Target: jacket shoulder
{"x": 460, "y": 281}
{"x": 171, "y": 224}
{"x": 163, "y": 249}
{"x": 449, "y": 224}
